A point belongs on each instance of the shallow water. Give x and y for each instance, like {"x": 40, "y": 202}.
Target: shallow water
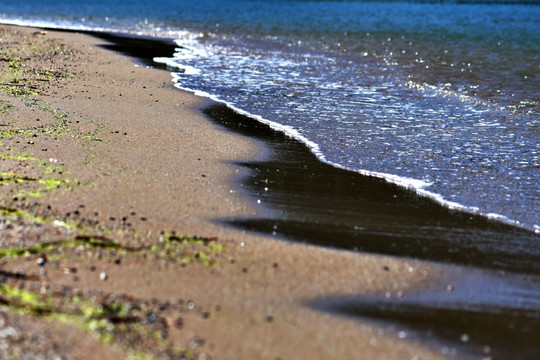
{"x": 483, "y": 317}
{"x": 438, "y": 96}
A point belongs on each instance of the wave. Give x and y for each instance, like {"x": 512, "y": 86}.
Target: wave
{"x": 420, "y": 187}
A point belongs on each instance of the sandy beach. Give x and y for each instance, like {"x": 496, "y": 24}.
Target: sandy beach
{"x": 113, "y": 183}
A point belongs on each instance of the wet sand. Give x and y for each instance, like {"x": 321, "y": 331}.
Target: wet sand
{"x": 152, "y": 201}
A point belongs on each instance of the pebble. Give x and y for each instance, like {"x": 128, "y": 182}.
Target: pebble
{"x": 179, "y": 322}
{"x": 42, "y": 260}
{"x": 103, "y": 276}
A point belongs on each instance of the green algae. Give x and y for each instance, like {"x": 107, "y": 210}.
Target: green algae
{"x": 184, "y": 250}
{"x": 121, "y": 322}
{"x": 42, "y": 186}
{"x": 109, "y": 321}
{"x": 51, "y": 180}
{"x": 23, "y": 301}
{"x": 5, "y": 106}
{"x": 187, "y": 250}
{"x": 80, "y": 242}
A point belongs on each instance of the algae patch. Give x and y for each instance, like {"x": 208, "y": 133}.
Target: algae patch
{"x": 137, "y": 327}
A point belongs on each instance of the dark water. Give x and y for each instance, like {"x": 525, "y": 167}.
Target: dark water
{"x": 437, "y": 98}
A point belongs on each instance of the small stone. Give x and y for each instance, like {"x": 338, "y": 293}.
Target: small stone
{"x": 450, "y": 287}
{"x": 42, "y": 260}
{"x": 150, "y": 317}
{"x": 191, "y": 305}
{"x": 103, "y": 276}
{"x": 179, "y": 322}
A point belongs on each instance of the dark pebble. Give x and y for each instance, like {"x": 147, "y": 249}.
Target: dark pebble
{"x": 269, "y": 319}
{"x": 179, "y": 322}
{"x": 150, "y": 317}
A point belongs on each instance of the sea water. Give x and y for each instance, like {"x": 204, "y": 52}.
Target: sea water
{"x": 439, "y": 96}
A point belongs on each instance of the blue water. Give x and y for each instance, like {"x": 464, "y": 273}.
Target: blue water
{"x": 442, "y": 96}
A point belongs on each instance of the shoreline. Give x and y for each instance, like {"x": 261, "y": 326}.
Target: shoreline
{"x": 113, "y": 133}
{"x": 253, "y": 301}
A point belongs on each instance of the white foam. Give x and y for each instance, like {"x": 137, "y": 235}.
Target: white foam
{"x": 69, "y": 25}
{"x": 420, "y": 187}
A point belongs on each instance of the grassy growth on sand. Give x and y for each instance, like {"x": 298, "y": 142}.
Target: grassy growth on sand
{"x": 139, "y": 328}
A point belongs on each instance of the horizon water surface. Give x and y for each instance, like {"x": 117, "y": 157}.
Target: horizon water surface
{"x": 439, "y": 96}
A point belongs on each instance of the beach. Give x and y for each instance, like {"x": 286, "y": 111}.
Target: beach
{"x": 114, "y": 183}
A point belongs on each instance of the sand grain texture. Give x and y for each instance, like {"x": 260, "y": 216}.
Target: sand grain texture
{"x": 120, "y": 156}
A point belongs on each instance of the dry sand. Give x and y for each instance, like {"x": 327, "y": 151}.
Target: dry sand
{"x": 108, "y": 157}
